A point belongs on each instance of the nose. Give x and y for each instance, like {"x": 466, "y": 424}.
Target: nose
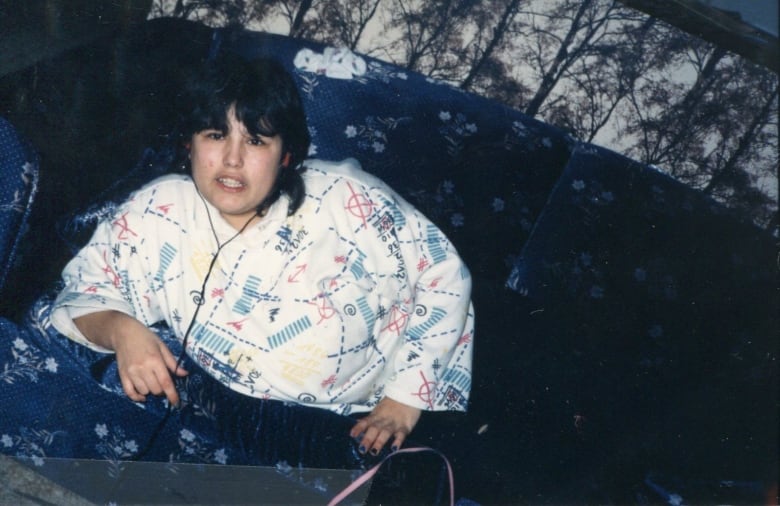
{"x": 234, "y": 154}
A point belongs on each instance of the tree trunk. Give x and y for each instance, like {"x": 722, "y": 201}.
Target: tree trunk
{"x": 745, "y": 141}
{"x": 295, "y": 28}
{"x": 552, "y": 74}
{"x": 498, "y": 35}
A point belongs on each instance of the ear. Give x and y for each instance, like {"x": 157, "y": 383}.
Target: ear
{"x": 286, "y": 159}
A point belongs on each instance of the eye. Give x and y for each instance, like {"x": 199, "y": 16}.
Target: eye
{"x": 256, "y": 141}
{"x": 215, "y": 135}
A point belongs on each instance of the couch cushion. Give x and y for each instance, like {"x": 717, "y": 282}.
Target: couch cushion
{"x": 661, "y": 311}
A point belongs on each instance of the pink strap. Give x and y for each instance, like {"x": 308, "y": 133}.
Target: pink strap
{"x": 371, "y": 472}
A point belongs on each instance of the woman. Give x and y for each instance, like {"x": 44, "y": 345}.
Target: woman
{"x": 316, "y": 285}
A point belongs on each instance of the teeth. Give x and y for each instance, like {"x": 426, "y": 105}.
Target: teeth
{"x": 230, "y": 183}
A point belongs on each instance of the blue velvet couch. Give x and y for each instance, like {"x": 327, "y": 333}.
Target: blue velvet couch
{"x": 626, "y": 342}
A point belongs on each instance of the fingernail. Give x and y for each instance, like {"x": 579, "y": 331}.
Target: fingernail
{"x": 362, "y": 449}
{"x": 374, "y": 452}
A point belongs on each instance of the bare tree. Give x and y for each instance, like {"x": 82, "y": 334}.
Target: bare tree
{"x": 716, "y": 131}
{"x": 343, "y": 23}
{"x": 430, "y": 35}
{"x": 295, "y": 12}
{"x": 744, "y": 156}
{"x": 561, "y": 37}
{"x": 594, "y": 87}
{"x": 666, "y": 115}
{"x": 496, "y": 81}
{"x": 482, "y": 49}
{"x": 213, "y": 12}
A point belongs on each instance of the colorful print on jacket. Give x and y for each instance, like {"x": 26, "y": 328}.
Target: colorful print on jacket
{"x": 355, "y": 297}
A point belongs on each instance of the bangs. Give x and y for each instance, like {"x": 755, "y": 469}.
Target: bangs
{"x": 214, "y": 116}
{"x": 257, "y": 120}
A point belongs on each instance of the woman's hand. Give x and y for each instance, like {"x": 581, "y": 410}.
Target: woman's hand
{"x": 145, "y": 363}
{"x": 389, "y": 419}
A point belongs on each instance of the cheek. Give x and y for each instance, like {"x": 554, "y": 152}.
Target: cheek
{"x": 199, "y": 171}
{"x": 201, "y": 162}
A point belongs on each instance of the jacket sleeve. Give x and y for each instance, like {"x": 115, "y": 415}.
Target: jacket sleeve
{"x": 109, "y": 273}
{"x": 432, "y": 369}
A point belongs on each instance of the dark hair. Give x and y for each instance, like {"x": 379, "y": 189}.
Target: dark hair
{"x": 266, "y": 102}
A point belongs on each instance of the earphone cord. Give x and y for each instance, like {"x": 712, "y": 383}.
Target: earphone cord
{"x": 199, "y": 302}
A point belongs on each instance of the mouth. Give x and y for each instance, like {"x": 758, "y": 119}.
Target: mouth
{"x": 230, "y": 183}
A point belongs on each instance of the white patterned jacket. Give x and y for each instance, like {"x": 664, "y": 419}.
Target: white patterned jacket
{"x": 354, "y": 297}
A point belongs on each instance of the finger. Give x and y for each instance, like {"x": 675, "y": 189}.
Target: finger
{"x": 358, "y": 429}
{"x": 398, "y": 442}
{"x": 167, "y": 386}
{"x": 381, "y": 439}
{"x": 171, "y": 362}
{"x": 129, "y": 387}
{"x": 151, "y": 384}
{"x": 368, "y": 439}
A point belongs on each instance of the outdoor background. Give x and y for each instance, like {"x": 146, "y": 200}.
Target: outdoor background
{"x": 603, "y": 71}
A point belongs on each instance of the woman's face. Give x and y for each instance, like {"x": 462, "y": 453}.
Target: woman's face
{"x": 235, "y": 171}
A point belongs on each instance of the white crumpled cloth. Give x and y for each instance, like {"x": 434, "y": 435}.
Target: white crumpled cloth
{"x": 336, "y": 63}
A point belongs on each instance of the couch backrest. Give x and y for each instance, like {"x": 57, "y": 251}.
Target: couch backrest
{"x": 18, "y": 186}
{"x": 480, "y": 170}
